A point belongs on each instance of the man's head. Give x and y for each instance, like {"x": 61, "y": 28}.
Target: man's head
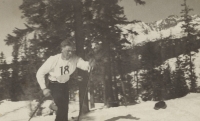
{"x": 67, "y": 49}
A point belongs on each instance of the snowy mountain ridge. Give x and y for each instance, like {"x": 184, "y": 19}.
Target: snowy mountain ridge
{"x": 170, "y": 21}
{"x": 169, "y": 27}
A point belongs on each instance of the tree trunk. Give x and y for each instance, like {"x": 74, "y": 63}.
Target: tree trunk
{"x": 136, "y": 75}
{"x": 84, "y": 108}
{"x": 108, "y": 91}
{"x": 114, "y": 80}
{"x": 92, "y": 105}
{"x": 83, "y": 94}
{"x": 122, "y": 76}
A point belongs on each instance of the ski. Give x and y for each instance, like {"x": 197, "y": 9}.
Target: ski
{"x": 37, "y": 107}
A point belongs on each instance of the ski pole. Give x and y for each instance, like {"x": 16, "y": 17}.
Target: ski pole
{"x": 37, "y": 107}
{"x": 84, "y": 96}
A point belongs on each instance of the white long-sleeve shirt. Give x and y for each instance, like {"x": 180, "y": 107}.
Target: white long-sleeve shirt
{"x": 57, "y": 67}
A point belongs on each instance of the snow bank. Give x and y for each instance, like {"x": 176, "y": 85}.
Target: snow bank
{"x": 180, "y": 109}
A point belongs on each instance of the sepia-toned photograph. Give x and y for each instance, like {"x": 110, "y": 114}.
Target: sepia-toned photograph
{"x": 99, "y": 60}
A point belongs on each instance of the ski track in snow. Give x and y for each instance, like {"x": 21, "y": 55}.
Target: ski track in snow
{"x": 180, "y": 109}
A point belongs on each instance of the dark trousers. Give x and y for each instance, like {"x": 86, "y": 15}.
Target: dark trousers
{"x": 60, "y": 94}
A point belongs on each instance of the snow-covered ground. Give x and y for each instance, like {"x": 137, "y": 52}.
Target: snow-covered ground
{"x": 180, "y": 109}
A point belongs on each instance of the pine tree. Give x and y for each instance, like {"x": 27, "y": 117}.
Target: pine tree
{"x": 148, "y": 59}
{"x": 17, "y": 41}
{"x": 106, "y": 14}
{"x": 167, "y": 84}
{"x": 188, "y": 28}
{"x": 4, "y": 78}
{"x": 2, "y": 58}
{"x": 52, "y": 20}
{"x": 29, "y": 65}
{"x": 180, "y": 87}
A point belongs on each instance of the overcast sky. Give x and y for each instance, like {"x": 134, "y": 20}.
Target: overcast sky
{"x": 10, "y": 15}
{"x": 157, "y": 9}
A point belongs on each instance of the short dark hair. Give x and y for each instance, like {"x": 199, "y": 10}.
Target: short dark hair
{"x": 67, "y": 42}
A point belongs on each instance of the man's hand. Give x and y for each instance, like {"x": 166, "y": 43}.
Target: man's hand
{"x": 90, "y": 68}
{"x": 46, "y": 92}
{"x": 91, "y": 64}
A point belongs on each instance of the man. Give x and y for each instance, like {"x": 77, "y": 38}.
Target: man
{"x": 59, "y": 68}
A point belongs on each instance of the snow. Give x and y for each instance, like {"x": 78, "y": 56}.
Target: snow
{"x": 158, "y": 22}
{"x": 152, "y": 33}
{"x": 13, "y": 110}
{"x": 181, "y": 109}
{"x": 9, "y": 59}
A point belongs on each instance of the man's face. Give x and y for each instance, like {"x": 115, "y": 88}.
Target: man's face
{"x": 67, "y": 52}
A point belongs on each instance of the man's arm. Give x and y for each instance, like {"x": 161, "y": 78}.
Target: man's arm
{"x": 43, "y": 70}
{"x": 85, "y": 65}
